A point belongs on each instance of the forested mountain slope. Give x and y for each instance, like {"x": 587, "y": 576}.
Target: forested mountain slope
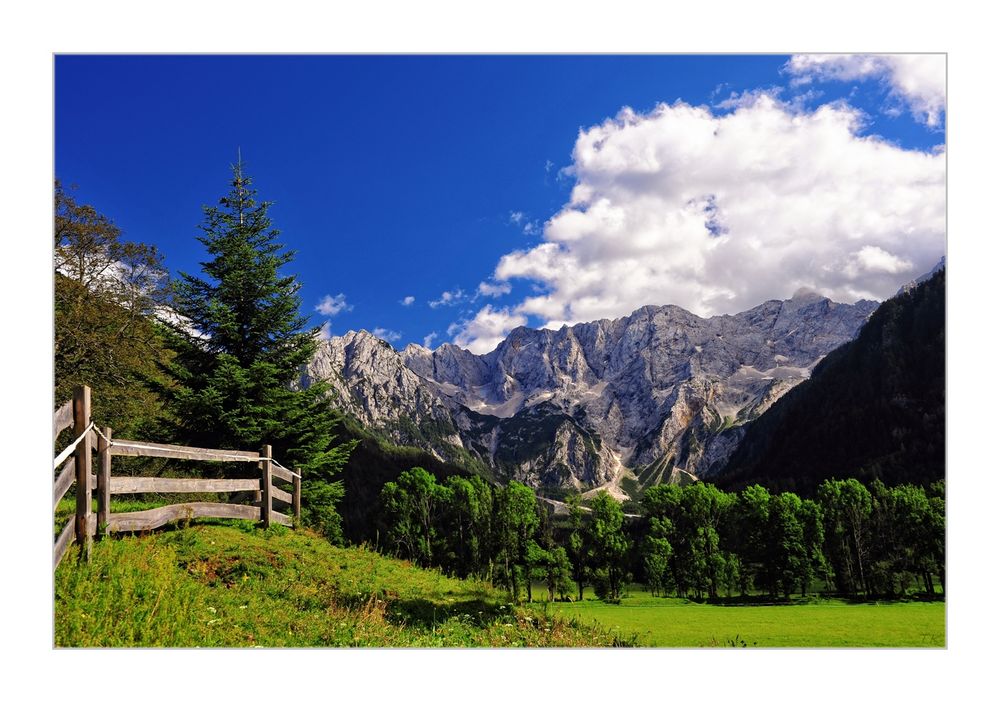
{"x": 873, "y": 408}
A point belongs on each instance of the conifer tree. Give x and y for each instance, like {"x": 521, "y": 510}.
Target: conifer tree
{"x": 241, "y": 344}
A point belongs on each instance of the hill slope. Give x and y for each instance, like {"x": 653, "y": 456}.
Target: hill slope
{"x": 874, "y": 408}
{"x": 220, "y": 585}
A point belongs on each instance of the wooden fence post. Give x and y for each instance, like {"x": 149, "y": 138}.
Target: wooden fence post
{"x": 265, "y": 485}
{"x": 103, "y": 480}
{"x": 297, "y": 498}
{"x": 81, "y": 422}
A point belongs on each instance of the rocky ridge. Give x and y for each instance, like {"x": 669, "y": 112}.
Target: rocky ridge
{"x": 623, "y": 403}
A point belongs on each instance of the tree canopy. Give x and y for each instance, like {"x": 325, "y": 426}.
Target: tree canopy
{"x": 106, "y": 292}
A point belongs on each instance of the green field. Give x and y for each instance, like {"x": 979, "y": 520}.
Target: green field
{"x": 674, "y": 622}
{"x": 232, "y": 584}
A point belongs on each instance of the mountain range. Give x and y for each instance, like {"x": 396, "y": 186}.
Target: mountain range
{"x": 659, "y": 395}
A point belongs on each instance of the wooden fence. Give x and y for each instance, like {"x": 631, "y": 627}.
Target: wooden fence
{"x": 77, "y": 465}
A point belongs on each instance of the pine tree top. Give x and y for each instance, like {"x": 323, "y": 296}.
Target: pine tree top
{"x": 243, "y": 306}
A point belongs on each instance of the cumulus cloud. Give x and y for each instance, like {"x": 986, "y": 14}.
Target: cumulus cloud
{"x": 875, "y": 259}
{"x": 448, "y": 298}
{"x": 387, "y": 334}
{"x": 488, "y": 289}
{"x": 918, "y": 80}
{"x": 489, "y": 327}
{"x": 324, "y": 331}
{"x": 718, "y": 213}
{"x": 407, "y": 301}
{"x": 332, "y": 306}
{"x": 429, "y": 339}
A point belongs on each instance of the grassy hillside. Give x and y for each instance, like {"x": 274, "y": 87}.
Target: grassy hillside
{"x": 237, "y": 585}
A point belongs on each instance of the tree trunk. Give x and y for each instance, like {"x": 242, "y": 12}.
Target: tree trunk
{"x": 861, "y": 568}
{"x": 511, "y": 577}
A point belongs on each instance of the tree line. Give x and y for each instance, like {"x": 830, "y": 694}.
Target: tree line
{"x": 695, "y": 541}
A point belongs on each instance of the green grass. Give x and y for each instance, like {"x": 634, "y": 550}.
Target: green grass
{"x": 657, "y": 621}
{"x": 232, "y": 584}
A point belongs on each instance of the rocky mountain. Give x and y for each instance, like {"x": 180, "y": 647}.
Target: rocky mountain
{"x": 619, "y": 403}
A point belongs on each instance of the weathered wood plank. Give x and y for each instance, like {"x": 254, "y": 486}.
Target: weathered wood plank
{"x": 63, "y": 542}
{"x": 103, "y": 477}
{"x": 280, "y": 495}
{"x": 62, "y": 419}
{"x": 81, "y": 426}
{"x": 63, "y": 482}
{"x": 297, "y": 498}
{"x": 283, "y": 473}
{"x": 138, "y": 448}
{"x": 125, "y": 485}
{"x": 153, "y": 518}
{"x": 265, "y": 485}
{"x": 282, "y": 519}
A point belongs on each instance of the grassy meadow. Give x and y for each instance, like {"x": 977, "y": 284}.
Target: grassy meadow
{"x": 235, "y": 585}
{"x": 658, "y": 621}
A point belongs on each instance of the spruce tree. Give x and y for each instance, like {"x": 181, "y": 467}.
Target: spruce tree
{"x": 241, "y": 344}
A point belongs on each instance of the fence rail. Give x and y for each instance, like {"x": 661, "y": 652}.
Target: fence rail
{"x": 76, "y": 462}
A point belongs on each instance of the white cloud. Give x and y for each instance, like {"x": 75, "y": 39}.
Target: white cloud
{"x": 448, "y": 298}
{"x": 332, "y": 306}
{"x": 324, "y": 331}
{"x": 747, "y": 98}
{"x": 488, "y": 289}
{"x": 488, "y": 328}
{"x": 526, "y": 225}
{"x": 875, "y": 259}
{"x": 916, "y": 79}
{"x": 407, "y": 301}
{"x": 387, "y": 334}
{"x": 429, "y": 339}
{"x": 717, "y": 213}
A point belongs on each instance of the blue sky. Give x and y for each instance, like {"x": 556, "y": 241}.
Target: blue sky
{"x": 397, "y": 177}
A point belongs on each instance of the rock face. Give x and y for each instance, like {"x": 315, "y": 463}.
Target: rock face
{"x": 637, "y": 398}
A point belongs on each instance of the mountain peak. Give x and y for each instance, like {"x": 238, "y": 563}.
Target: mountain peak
{"x": 806, "y": 294}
